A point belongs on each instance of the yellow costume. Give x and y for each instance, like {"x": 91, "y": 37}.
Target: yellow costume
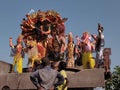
{"x": 17, "y": 63}
{"x": 18, "y": 54}
{"x": 63, "y": 73}
{"x": 88, "y": 59}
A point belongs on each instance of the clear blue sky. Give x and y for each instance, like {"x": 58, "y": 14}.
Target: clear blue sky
{"x": 83, "y": 15}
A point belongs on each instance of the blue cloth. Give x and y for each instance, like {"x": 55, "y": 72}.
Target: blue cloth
{"x": 13, "y": 52}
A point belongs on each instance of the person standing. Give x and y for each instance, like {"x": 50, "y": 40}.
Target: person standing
{"x": 45, "y": 78}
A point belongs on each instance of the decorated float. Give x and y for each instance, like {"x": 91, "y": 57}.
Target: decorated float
{"x": 43, "y": 34}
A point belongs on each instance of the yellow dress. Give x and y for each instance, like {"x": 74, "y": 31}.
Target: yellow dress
{"x": 17, "y": 63}
{"x": 63, "y": 73}
{"x": 84, "y": 60}
{"x": 90, "y": 60}
{"x": 87, "y": 58}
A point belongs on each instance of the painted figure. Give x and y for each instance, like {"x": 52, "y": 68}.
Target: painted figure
{"x": 87, "y": 58}
{"x": 100, "y": 43}
{"x": 106, "y": 59}
{"x": 32, "y": 51}
{"x": 18, "y": 54}
{"x": 70, "y": 54}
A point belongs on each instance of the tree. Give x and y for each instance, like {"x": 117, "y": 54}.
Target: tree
{"x": 113, "y": 83}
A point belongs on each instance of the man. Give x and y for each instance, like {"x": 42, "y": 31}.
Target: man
{"x": 45, "y": 78}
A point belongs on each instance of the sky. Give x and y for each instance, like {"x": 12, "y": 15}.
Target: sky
{"x": 83, "y": 15}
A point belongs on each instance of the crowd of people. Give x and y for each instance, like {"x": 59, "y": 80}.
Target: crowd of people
{"x": 43, "y": 36}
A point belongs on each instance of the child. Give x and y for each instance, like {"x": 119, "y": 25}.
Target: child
{"x": 62, "y": 68}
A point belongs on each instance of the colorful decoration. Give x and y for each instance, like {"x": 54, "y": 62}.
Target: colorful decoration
{"x": 37, "y": 24}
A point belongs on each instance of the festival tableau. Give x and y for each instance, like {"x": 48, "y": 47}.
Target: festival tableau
{"x": 43, "y": 35}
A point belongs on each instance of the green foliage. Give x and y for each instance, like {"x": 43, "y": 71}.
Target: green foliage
{"x": 114, "y": 82}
